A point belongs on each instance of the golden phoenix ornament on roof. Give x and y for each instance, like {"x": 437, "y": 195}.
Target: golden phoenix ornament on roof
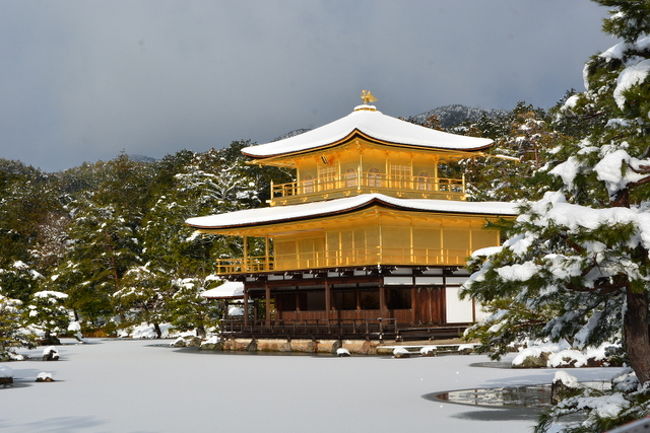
{"x": 367, "y": 97}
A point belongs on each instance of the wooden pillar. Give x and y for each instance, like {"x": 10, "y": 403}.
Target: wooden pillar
{"x": 245, "y": 306}
{"x": 267, "y": 304}
{"x": 328, "y": 301}
{"x": 382, "y": 300}
{"x": 414, "y": 304}
{"x": 267, "y": 263}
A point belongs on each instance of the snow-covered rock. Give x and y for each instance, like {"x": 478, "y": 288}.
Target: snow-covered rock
{"x": 563, "y": 386}
{"x": 466, "y": 349}
{"x": 429, "y": 351}
{"x": 44, "y": 376}
{"x": 342, "y": 352}
{"x": 400, "y": 352}
{"x": 567, "y": 358}
{"x": 50, "y": 354}
{"x": 212, "y": 343}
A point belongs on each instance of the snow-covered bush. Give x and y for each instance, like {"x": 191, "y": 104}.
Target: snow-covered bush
{"x": 48, "y": 315}
{"x": 13, "y": 334}
{"x": 188, "y": 310}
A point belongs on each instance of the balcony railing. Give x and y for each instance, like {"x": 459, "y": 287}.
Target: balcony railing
{"x": 351, "y": 257}
{"x": 363, "y": 182}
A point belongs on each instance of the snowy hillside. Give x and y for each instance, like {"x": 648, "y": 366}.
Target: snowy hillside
{"x": 455, "y": 114}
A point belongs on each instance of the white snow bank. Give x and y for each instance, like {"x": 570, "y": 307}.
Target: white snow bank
{"x": 147, "y": 331}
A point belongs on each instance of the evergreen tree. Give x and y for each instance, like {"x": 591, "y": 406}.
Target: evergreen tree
{"x": 576, "y": 264}
{"x": 143, "y": 297}
{"x": 12, "y": 333}
{"x": 48, "y": 315}
{"x": 188, "y": 310}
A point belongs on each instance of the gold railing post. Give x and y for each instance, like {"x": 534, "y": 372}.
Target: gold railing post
{"x": 266, "y": 254}
{"x": 272, "y": 192}
{"x": 244, "y": 264}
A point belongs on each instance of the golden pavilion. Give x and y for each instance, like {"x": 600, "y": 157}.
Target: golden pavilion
{"x": 369, "y": 241}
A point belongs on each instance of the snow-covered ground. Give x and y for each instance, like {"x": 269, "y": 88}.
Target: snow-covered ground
{"x": 136, "y": 386}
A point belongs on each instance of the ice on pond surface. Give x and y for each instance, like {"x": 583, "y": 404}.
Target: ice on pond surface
{"x": 130, "y": 385}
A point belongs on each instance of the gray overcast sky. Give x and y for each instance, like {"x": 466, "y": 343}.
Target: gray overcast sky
{"x": 83, "y": 80}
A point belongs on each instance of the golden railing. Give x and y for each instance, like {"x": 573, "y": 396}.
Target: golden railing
{"x": 371, "y": 181}
{"x": 351, "y": 257}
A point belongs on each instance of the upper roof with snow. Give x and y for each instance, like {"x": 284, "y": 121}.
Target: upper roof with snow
{"x": 280, "y": 214}
{"x": 373, "y": 125}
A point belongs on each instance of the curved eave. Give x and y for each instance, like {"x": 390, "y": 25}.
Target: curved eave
{"x": 358, "y": 133}
{"x": 366, "y": 205}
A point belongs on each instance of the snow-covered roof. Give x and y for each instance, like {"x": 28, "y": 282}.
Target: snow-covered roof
{"x": 366, "y": 119}
{"x": 277, "y": 214}
{"x": 229, "y": 289}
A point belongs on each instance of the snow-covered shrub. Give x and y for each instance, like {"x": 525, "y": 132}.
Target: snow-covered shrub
{"x": 13, "y": 334}
{"x": 48, "y": 315}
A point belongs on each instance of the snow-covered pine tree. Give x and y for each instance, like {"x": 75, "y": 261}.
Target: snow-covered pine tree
{"x": 13, "y": 334}
{"x": 576, "y": 264}
{"x": 143, "y": 296}
{"x": 188, "y": 310}
{"x": 48, "y": 315}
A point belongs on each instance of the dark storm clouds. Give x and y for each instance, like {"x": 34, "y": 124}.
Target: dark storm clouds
{"x": 82, "y": 80}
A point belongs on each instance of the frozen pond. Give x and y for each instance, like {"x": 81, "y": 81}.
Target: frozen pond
{"x": 142, "y": 387}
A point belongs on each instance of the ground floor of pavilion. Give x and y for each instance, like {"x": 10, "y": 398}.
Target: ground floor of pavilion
{"x": 381, "y": 302}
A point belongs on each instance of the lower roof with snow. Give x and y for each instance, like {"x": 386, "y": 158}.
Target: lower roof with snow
{"x": 300, "y": 212}
{"x": 229, "y": 289}
{"x": 366, "y": 120}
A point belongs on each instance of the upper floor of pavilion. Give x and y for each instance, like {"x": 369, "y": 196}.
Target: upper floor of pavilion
{"x": 369, "y": 152}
